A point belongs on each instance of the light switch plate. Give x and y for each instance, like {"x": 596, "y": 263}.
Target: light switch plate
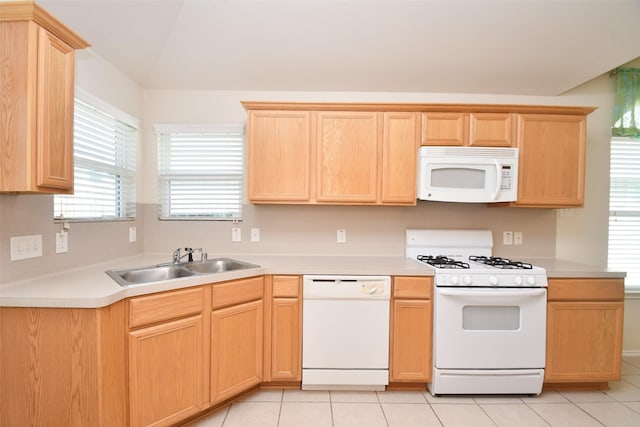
{"x": 23, "y": 247}
{"x": 507, "y": 238}
{"x": 132, "y": 234}
{"x": 341, "y": 235}
{"x": 236, "y": 234}
{"x": 62, "y": 242}
{"x": 517, "y": 237}
{"x": 255, "y": 234}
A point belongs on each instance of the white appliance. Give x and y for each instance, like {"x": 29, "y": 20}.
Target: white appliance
{"x": 345, "y": 332}
{"x": 468, "y": 174}
{"x": 489, "y": 315}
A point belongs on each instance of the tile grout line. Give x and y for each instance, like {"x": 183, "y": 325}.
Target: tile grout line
{"x": 384, "y": 415}
{"x": 280, "y": 409}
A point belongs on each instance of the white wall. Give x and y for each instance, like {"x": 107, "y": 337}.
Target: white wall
{"x": 582, "y": 233}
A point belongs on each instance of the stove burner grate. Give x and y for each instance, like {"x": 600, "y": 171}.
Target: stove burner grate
{"x": 441, "y": 261}
{"x": 499, "y": 262}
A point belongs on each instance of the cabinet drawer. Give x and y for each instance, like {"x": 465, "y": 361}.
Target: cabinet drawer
{"x": 586, "y": 289}
{"x": 237, "y": 291}
{"x": 154, "y": 308}
{"x": 286, "y": 286}
{"x": 412, "y": 287}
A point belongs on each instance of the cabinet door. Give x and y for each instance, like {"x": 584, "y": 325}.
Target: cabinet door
{"x": 552, "y": 156}
{"x": 286, "y": 354}
{"x": 491, "y": 129}
{"x": 54, "y": 148}
{"x": 347, "y": 144}
{"x": 279, "y": 156}
{"x": 236, "y": 349}
{"x": 399, "y": 150}
{"x": 411, "y": 341}
{"x": 445, "y": 129}
{"x": 165, "y": 372}
{"x": 584, "y": 341}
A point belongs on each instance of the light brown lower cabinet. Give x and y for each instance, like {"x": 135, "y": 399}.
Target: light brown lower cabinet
{"x": 236, "y": 349}
{"x": 237, "y": 323}
{"x": 284, "y": 333}
{"x": 166, "y": 359}
{"x": 165, "y": 372}
{"x": 63, "y": 366}
{"x": 584, "y": 331}
{"x": 411, "y": 330}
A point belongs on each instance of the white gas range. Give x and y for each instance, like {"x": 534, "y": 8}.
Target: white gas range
{"x": 489, "y": 315}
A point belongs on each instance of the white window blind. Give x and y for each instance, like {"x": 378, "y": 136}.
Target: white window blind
{"x": 104, "y": 167}
{"x": 200, "y": 172}
{"x": 624, "y": 209}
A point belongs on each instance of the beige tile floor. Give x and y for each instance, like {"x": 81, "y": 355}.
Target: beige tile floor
{"x": 617, "y": 407}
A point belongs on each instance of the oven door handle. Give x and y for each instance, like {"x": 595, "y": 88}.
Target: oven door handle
{"x": 492, "y": 292}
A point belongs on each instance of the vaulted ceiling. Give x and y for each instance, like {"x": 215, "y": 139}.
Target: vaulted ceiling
{"x": 528, "y": 47}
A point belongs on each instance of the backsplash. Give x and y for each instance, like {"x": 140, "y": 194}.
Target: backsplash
{"x": 88, "y": 242}
{"x": 370, "y": 230}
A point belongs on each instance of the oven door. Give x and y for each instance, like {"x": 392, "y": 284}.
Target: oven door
{"x": 489, "y": 328}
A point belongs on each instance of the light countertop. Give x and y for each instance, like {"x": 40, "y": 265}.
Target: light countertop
{"x": 90, "y": 287}
{"x": 559, "y": 269}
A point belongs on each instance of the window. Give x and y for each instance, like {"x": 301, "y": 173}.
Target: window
{"x": 624, "y": 183}
{"x": 200, "y": 172}
{"x": 104, "y": 156}
{"x": 624, "y": 209}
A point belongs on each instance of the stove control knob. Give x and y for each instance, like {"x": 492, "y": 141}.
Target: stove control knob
{"x": 531, "y": 280}
{"x": 455, "y": 280}
{"x": 493, "y": 280}
{"x": 517, "y": 280}
{"x": 466, "y": 280}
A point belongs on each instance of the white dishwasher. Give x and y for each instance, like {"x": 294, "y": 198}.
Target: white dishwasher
{"x": 345, "y": 332}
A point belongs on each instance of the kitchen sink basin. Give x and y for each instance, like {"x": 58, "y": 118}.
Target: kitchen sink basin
{"x": 218, "y": 265}
{"x": 162, "y": 272}
{"x": 148, "y": 274}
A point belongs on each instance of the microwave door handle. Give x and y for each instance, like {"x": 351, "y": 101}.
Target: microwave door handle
{"x": 494, "y": 195}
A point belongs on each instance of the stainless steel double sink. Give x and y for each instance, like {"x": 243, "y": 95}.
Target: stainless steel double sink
{"x": 161, "y": 272}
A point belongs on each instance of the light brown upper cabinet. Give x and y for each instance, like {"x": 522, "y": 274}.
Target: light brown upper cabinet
{"x": 279, "y": 156}
{"x": 399, "y": 150}
{"x": 552, "y": 160}
{"x": 347, "y": 147}
{"x": 468, "y": 129}
{"x": 365, "y": 154}
{"x": 37, "y": 65}
{"x": 320, "y": 154}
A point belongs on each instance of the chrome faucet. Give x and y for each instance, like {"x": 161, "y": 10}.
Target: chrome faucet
{"x": 178, "y": 255}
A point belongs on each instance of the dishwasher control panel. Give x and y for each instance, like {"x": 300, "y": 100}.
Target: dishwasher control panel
{"x": 372, "y": 289}
{"x": 346, "y": 287}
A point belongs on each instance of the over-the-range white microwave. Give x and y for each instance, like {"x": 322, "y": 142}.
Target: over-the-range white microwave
{"x": 468, "y": 174}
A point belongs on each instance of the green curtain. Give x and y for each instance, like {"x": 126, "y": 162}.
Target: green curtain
{"x": 626, "y": 111}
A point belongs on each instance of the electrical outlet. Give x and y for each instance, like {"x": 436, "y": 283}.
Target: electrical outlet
{"x": 23, "y": 247}
{"x": 236, "y": 234}
{"x": 341, "y": 235}
{"x": 62, "y": 242}
{"x": 132, "y": 234}
{"x": 255, "y": 234}
{"x": 507, "y": 237}
{"x": 517, "y": 238}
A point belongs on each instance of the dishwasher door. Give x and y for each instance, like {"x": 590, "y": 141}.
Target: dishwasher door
{"x": 345, "y": 332}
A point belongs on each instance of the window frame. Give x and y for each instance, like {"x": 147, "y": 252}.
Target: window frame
{"x": 625, "y": 207}
{"x": 237, "y": 139}
{"x": 125, "y": 196}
